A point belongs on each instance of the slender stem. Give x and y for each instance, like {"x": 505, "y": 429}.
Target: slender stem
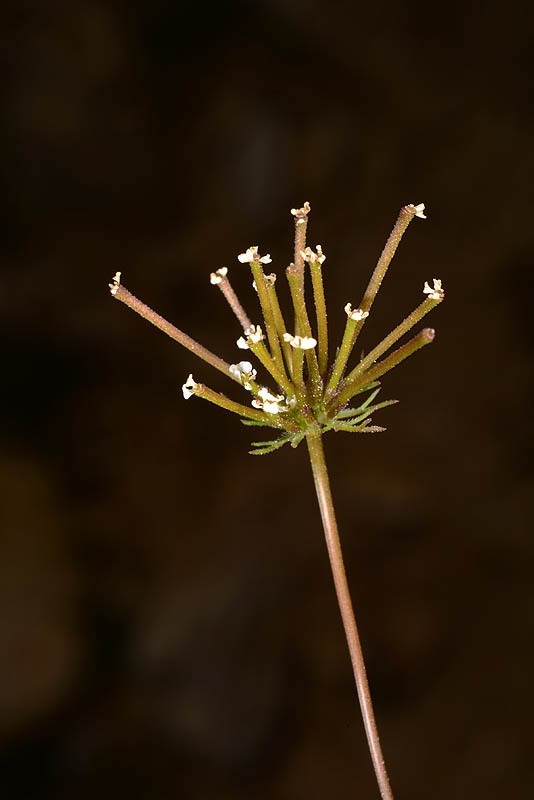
{"x": 304, "y": 327}
{"x": 233, "y": 301}
{"x": 268, "y": 316}
{"x": 237, "y": 408}
{"x": 119, "y": 292}
{"x": 389, "y": 340}
{"x": 426, "y": 336}
{"x": 324, "y": 496}
{"x": 279, "y": 321}
{"x": 301, "y": 225}
{"x": 406, "y": 214}
{"x": 320, "y": 311}
{"x": 342, "y": 355}
{"x": 298, "y": 374}
{"x": 263, "y": 355}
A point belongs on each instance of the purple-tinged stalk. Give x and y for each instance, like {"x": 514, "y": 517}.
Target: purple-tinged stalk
{"x": 312, "y": 397}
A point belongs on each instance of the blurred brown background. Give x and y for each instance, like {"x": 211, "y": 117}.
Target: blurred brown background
{"x": 168, "y": 625}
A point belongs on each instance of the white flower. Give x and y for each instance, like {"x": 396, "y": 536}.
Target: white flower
{"x": 216, "y": 277}
{"x": 317, "y": 257}
{"x": 242, "y": 372}
{"x": 114, "y": 287}
{"x": 357, "y": 314}
{"x": 418, "y": 210}
{"x": 301, "y": 342}
{"x": 301, "y": 213}
{"x": 254, "y": 333}
{"x": 190, "y": 387}
{"x": 435, "y": 293}
{"x": 251, "y": 256}
{"x": 266, "y": 396}
{"x": 270, "y": 406}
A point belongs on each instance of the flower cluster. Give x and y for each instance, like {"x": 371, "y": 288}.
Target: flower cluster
{"x": 312, "y": 393}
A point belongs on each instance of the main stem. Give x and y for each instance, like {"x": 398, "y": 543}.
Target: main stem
{"x": 324, "y": 496}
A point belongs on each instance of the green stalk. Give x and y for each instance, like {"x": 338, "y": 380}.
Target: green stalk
{"x": 324, "y": 496}
{"x": 320, "y": 311}
{"x": 407, "y": 324}
{"x": 298, "y": 374}
{"x": 279, "y": 322}
{"x": 262, "y": 354}
{"x": 270, "y": 326}
{"x": 342, "y": 355}
{"x": 406, "y": 214}
{"x": 237, "y": 408}
{"x": 426, "y": 336}
{"x": 304, "y": 327}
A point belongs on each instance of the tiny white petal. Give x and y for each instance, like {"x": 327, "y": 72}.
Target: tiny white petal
{"x": 266, "y": 259}
{"x": 216, "y": 277}
{"x": 114, "y": 287}
{"x": 301, "y": 342}
{"x": 419, "y": 211}
{"x": 301, "y": 213}
{"x": 271, "y": 408}
{"x": 266, "y": 395}
{"x": 357, "y": 314}
{"x": 245, "y": 366}
{"x": 257, "y": 404}
{"x": 189, "y": 387}
{"x": 242, "y": 343}
{"x": 317, "y": 257}
{"x": 435, "y": 293}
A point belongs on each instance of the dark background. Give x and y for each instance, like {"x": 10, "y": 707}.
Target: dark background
{"x": 168, "y": 625}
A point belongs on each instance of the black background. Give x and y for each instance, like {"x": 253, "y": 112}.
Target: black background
{"x": 168, "y": 625}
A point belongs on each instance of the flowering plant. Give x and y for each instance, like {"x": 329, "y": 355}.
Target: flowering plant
{"x": 312, "y": 394}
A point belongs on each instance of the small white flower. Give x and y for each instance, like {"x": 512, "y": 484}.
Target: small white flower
{"x": 357, "y": 314}
{"x": 216, "y": 277}
{"x": 242, "y": 372}
{"x": 254, "y": 333}
{"x": 114, "y": 287}
{"x": 271, "y": 408}
{"x": 419, "y": 210}
{"x": 266, "y": 396}
{"x": 251, "y": 256}
{"x": 301, "y": 213}
{"x": 317, "y": 257}
{"x": 301, "y": 342}
{"x": 435, "y": 293}
{"x": 190, "y": 387}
